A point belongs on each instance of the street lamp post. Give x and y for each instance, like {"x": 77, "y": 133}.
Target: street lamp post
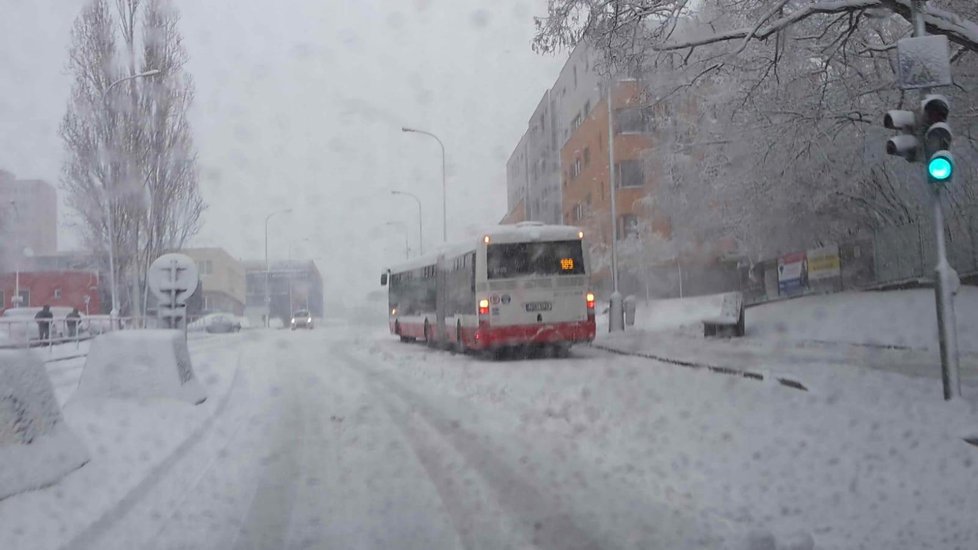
{"x": 15, "y": 299}
{"x": 407, "y": 249}
{"x": 108, "y": 207}
{"x": 292, "y": 276}
{"x": 616, "y": 313}
{"x": 444, "y": 187}
{"x": 268, "y": 299}
{"x": 420, "y": 231}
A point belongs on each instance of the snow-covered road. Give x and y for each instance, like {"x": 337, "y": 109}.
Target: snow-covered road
{"x": 337, "y": 438}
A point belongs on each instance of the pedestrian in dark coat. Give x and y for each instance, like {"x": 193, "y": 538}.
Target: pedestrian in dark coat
{"x": 71, "y": 322}
{"x": 44, "y": 318}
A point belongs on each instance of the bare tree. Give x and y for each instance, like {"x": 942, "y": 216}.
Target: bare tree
{"x": 131, "y": 162}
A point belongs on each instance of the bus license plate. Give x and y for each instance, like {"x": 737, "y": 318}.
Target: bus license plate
{"x": 538, "y": 306}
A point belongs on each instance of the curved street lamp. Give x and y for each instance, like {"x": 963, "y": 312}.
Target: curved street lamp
{"x": 108, "y": 207}
{"x": 407, "y": 249}
{"x": 444, "y": 194}
{"x": 420, "y": 232}
{"x": 268, "y": 299}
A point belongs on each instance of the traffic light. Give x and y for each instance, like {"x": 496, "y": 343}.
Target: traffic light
{"x": 937, "y": 138}
{"x": 924, "y": 137}
{"x": 906, "y": 144}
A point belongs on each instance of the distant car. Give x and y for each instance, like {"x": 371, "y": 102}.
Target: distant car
{"x": 302, "y": 319}
{"x": 220, "y": 323}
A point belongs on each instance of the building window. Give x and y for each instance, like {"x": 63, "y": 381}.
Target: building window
{"x": 577, "y": 214}
{"x": 57, "y": 294}
{"x": 628, "y": 226}
{"x": 577, "y": 167}
{"x": 587, "y": 156}
{"x": 577, "y": 122}
{"x": 25, "y": 298}
{"x": 631, "y": 120}
{"x": 628, "y": 173}
{"x": 3, "y": 302}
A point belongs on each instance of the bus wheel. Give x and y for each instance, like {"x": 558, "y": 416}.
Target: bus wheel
{"x": 459, "y": 342}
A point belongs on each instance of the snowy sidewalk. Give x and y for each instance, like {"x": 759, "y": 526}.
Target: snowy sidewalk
{"x": 131, "y": 444}
{"x": 811, "y": 337}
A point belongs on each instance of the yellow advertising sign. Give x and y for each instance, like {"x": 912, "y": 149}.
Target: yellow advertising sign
{"x": 824, "y": 263}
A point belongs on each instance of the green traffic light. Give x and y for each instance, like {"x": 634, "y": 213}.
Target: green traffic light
{"x": 940, "y": 168}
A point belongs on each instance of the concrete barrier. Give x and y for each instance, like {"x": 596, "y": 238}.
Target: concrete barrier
{"x": 140, "y": 364}
{"x": 37, "y": 448}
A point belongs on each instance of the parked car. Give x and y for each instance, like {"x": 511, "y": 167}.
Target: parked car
{"x": 302, "y": 319}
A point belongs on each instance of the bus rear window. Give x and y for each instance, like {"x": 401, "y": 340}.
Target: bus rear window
{"x": 508, "y": 260}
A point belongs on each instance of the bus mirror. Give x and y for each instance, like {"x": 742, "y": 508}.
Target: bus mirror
{"x": 383, "y": 279}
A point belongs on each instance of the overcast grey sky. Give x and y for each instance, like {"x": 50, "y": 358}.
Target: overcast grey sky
{"x": 301, "y": 106}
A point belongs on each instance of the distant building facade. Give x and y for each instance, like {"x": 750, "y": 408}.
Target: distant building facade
{"x": 533, "y": 171}
{"x": 28, "y": 218}
{"x": 78, "y": 289}
{"x": 222, "y": 280}
{"x": 292, "y": 285}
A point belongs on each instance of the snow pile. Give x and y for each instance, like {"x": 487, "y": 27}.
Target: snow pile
{"x": 900, "y": 318}
{"x": 140, "y": 364}
{"x": 677, "y": 312}
{"x": 36, "y": 447}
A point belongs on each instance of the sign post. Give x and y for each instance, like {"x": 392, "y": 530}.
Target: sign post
{"x": 172, "y": 278}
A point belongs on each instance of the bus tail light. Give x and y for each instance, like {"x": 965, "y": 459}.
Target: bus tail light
{"x": 484, "y": 306}
{"x": 589, "y": 298}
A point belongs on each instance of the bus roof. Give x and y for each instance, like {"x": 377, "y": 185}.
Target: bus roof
{"x": 521, "y": 232}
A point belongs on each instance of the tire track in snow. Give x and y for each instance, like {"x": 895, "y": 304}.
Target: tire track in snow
{"x": 539, "y": 520}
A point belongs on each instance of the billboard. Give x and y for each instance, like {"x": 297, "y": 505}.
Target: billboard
{"x": 823, "y": 263}
{"x": 792, "y": 273}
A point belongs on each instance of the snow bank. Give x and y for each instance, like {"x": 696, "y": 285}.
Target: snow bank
{"x": 678, "y": 312}
{"x": 140, "y": 364}
{"x": 36, "y": 447}
{"x": 900, "y": 318}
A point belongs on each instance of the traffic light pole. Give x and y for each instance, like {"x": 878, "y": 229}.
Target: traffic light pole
{"x": 945, "y": 278}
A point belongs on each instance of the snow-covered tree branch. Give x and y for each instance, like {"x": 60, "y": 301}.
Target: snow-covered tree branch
{"x": 767, "y": 115}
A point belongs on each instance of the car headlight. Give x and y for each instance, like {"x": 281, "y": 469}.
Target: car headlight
{"x": 293, "y": 321}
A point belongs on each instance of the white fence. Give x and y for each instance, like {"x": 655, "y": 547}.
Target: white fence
{"x": 25, "y": 332}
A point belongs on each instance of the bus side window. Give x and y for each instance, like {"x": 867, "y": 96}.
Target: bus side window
{"x": 472, "y": 276}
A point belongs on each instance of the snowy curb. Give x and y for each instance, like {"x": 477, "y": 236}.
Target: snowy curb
{"x": 789, "y": 382}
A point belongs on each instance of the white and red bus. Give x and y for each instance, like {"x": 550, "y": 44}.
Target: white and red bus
{"x": 515, "y": 285}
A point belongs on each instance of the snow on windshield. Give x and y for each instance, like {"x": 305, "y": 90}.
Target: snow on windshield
{"x": 479, "y": 274}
